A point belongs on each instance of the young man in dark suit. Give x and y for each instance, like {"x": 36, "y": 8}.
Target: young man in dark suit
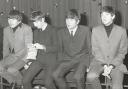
{"x": 45, "y": 42}
{"x": 73, "y": 50}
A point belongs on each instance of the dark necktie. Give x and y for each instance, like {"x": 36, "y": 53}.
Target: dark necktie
{"x": 13, "y": 51}
{"x": 15, "y": 28}
{"x": 71, "y": 34}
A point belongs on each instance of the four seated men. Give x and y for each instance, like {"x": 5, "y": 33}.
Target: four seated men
{"x": 58, "y": 52}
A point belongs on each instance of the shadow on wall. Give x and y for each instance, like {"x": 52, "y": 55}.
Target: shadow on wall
{"x": 48, "y": 19}
{"x": 25, "y": 19}
{"x": 118, "y": 18}
{"x": 83, "y": 20}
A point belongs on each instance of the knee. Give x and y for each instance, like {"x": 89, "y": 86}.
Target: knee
{"x": 78, "y": 77}
{"x": 55, "y": 75}
{"x": 12, "y": 70}
{"x": 91, "y": 77}
{"x": 25, "y": 81}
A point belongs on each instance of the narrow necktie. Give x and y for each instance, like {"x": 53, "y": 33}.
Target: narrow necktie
{"x": 13, "y": 51}
{"x": 71, "y": 34}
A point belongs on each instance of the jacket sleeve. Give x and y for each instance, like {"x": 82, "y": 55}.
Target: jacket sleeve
{"x": 89, "y": 48}
{"x": 89, "y": 44}
{"x": 6, "y": 51}
{"x": 60, "y": 46}
{"x": 28, "y": 36}
{"x": 95, "y": 47}
{"x": 88, "y": 41}
{"x": 122, "y": 50}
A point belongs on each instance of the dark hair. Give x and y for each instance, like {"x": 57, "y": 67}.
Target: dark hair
{"x": 108, "y": 9}
{"x": 15, "y": 14}
{"x": 73, "y": 13}
{"x": 37, "y": 15}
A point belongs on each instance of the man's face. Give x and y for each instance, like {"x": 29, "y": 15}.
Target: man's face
{"x": 71, "y": 23}
{"x": 13, "y": 22}
{"x": 39, "y": 23}
{"x": 107, "y": 18}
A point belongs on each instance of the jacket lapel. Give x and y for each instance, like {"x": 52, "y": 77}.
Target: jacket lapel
{"x": 67, "y": 33}
{"x": 77, "y": 33}
{"x": 104, "y": 34}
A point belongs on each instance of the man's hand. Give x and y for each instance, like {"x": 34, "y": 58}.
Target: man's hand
{"x": 39, "y": 46}
{"x": 32, "y": 52}
{"x": 30, "y": 46}
{"x": 107, "y": 70}
{"x": 111, "y": 67}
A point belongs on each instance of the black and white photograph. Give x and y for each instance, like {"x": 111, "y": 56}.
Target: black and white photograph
{"x": 63, "y": 44}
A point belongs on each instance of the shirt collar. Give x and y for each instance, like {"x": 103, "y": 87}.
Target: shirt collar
{"x": 44, "y": 27}
{"x": 15, "y": 28}
{"x": 110, "y": 27}
{"x": 73, "y": 30}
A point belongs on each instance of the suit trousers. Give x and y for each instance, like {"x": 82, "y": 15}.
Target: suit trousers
{"x": 33, "y": 70}
{"x": 64, "y": 68}
{"x": 96, "y": 69}
{"x": 11, "y": 70}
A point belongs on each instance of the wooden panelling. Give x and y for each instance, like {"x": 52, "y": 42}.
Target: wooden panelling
{"x": 121, "y": 7}
{"x": 57, "y": 9}
{"x": 95, "y": 13}
{"x": 23, "y": 5}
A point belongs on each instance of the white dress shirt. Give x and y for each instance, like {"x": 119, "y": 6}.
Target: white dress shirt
{"x": 73, "y": 30}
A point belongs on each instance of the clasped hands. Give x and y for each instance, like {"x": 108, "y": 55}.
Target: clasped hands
{"x": 32, "y": 52}
{"x": 107, "y": 70}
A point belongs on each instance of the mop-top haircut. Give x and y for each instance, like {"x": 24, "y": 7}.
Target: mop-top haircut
{"x": 108, "y": 9}
{"x": 37, "y": 15}
{"x": 73, "y": 13}
{"x": 15, "y": 14}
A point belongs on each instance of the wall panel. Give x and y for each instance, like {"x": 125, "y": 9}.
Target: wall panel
{"x": 122, "y": 8}
{"x": 22, "y": 5}
{"x": 57, "y": 9}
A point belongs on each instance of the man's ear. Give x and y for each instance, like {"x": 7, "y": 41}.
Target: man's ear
{"x": 78, "y": 21}
{"x": 19, "y": 21}
{"x": 113, "y": 16}
{"x": 43, "y": 19}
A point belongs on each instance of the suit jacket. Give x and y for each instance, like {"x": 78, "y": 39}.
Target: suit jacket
{"x": 15, "y": 43}
{"x": 76, "y": 48}
{"x": 112, "y": 49}
{"x": 48, "y": 38}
